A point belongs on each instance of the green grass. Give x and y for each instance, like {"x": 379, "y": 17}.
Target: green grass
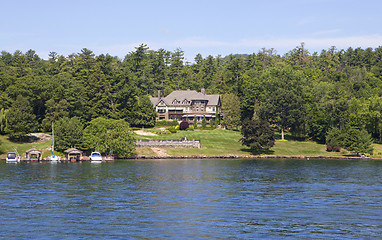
{"x": 304, "y": 148}
{"x": 8, "y": 146}
{"x": 215, "y": 142}
{"x": 226, "y": 142}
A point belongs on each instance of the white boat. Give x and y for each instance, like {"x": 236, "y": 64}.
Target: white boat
{"x": 12, "y": 157}
{"x": 95, "y": 157}
{"x": 53, "y": 158}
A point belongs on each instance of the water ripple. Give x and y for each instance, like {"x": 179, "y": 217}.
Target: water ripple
{"x": 214, "y": 199}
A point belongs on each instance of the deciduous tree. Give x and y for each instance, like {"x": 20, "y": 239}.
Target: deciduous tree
{"x": 109, "y": 136}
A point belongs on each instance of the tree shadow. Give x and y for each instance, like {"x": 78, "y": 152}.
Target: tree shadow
{"x": 24, "y": 139}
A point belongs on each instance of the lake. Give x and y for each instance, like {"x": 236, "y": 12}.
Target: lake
{"x": 192, "y": 199}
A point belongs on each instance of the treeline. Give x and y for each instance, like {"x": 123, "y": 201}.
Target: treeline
{"x": 304, "y": 93}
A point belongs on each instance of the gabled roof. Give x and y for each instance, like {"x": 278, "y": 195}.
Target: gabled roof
{"x": 32, "y": 150}
{"x": 154, "y": 100}
{"x": 189, "y": 95}
{"x": 72, "y": 150}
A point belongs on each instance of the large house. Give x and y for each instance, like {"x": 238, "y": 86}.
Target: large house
{"x": 187, "y": 105}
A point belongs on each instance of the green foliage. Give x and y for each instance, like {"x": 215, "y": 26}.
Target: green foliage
{"x": 68, "y": 133}
{"x": 3, "y": 120}
{"x": 231, "y": 110}
{"x": 172, "y": 129}
{"x": 334, "y": 139}
{"x": 354, "y": 140}
{"x": 358, "y": 141}
{"x": 303, "y": 93}
{"x": 195, "y": 123}
{"x": 144, "y": 113}
{"x": 257, "y": 134}
{"x": 204, "y": 122}
{"x": 109, "y": 136}
{"x": 20, "y": 119}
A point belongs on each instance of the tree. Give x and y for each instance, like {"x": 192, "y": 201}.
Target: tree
{"x": 54, "y": 111}
{"x": 257, "y": 134}
{"x": 204, "y": 122}
{"x": 283, "y": 103}
{"x": 231, "y": 110}
{"x": 354, "y": 140}
{"x": 20, "y": 119}
{"x": 334, "y": 139}
{"x": 358, "y": 141}
{"x": 68, "y": 133}
{"x": 144, "y": 114}
{"x": 3, "y": 120}
{"x": 195, "y": 123}
{"x": 109, "y": 136}
{"x": 184, "y": 125}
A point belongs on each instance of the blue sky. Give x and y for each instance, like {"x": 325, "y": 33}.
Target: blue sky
{"x": 199, "y": 26}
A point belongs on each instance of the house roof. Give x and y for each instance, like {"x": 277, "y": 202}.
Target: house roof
{"x": 72, "y": 150}
{"x": 32, "y": 150}
{"x": 189, "y": 95}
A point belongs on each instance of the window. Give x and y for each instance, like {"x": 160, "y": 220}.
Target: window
{"x": 213, "y": 109}
{"x": 197, "y": 108}
{"x": 201, "y": 108}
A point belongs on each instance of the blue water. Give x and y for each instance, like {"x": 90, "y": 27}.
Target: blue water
{"x": 192, "y": 199}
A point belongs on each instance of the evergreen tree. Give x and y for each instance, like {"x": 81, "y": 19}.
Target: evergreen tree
{"x": 144, "y": 113}
{"x": 20, "y": 119}
{"x": 257, "y": 134}
{"x": 204, "y": 122}
{"x": 231, "y": 110}
{"x": 195, "y": 123}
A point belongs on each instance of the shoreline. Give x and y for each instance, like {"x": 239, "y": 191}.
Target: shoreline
{"x": 200, "y": 157}
{"x": 246, "y": 157}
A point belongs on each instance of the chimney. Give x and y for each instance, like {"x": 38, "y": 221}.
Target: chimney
{"x": 158, "y": 94}
{"x": 203, "y": 91}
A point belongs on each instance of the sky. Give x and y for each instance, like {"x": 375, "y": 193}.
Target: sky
{"x": 208, "y": 27}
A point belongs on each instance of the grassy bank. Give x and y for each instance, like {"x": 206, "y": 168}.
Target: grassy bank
{"x": 223, "y": 142}
{"x": 8, "y": 146}
{"x": 214, "y": 143}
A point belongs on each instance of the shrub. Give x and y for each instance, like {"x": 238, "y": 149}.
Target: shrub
{"x": 171, "y": 129}
{"x": 184, "y": 125}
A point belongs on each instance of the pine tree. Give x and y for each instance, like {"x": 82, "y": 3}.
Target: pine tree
{"x": 20, "y": 119}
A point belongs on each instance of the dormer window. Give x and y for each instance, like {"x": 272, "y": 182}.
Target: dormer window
{"x": 175, "y": 101}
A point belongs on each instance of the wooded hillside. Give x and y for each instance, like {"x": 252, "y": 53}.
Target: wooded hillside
{"x": 304, "y": 93}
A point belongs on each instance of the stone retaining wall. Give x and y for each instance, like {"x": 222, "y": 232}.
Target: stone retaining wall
{"x": 169, "y": 143}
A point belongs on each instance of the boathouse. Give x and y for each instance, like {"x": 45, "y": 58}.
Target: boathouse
{"x": 33, "y": 154}
{"x": 73, "y": 154}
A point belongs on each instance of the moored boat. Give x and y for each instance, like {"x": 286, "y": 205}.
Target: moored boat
{"x": 12, "y": 157}
{"x": 95, "y": 157}
{"x": 53, "y": 157}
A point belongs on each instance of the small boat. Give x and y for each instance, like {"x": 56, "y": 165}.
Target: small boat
{"x": 95, "y": 157}
{"x": 53, "y": 158}
{"x": 12, "y": 157}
